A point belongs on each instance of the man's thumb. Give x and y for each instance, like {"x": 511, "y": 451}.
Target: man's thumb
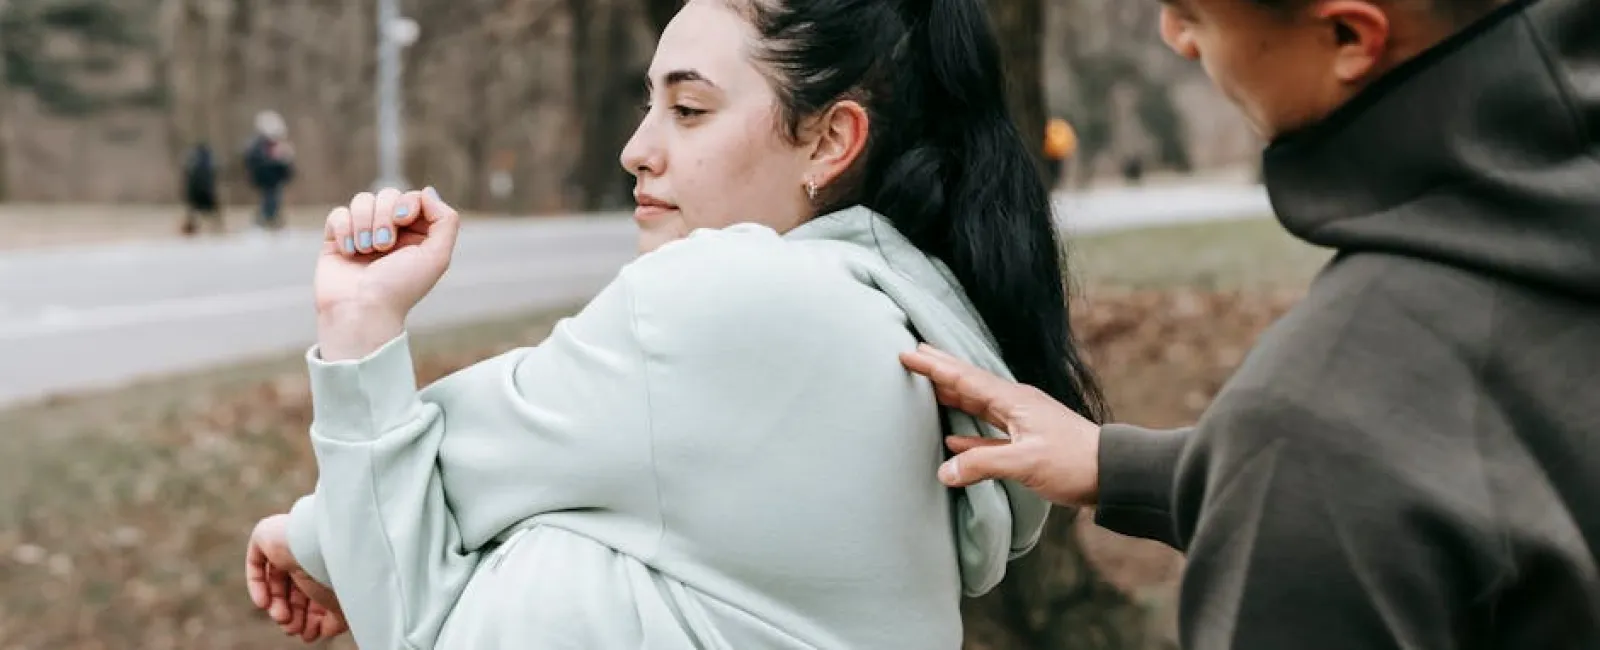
{"x": 983, "y": 463}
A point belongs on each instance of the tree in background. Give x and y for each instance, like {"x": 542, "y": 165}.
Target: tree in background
{"x": 1104, "y": 50}
{"x": 64, "y": 54}
{"x": 1053, "y": 597}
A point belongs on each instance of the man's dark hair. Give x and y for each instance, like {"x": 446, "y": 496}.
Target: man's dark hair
{"x": 944, "y": 162}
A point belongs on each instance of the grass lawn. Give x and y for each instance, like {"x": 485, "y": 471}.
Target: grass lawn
{"x": 1245, "y": 255}
{"x": 123, "y": 513}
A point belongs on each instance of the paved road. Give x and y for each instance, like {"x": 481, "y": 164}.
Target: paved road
{"x": 72, "y": 319}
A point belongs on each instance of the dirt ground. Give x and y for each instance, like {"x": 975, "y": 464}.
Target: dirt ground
{"x": 123, "y": 513}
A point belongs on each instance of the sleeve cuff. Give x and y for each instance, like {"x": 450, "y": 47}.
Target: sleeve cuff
{"x": 1136, "y": 481}
{"x": 358, "y": 400}
{"x": 303, "y": 539}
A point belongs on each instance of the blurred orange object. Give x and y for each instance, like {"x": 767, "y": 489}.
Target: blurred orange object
{"x": 1060, "y": 141}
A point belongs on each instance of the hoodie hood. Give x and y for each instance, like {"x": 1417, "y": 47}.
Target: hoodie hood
{"x": 1482, "y": 153}
{"x": 995, "y": 521}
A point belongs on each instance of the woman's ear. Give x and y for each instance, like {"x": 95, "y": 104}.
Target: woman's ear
{"x": 840, "y": 137}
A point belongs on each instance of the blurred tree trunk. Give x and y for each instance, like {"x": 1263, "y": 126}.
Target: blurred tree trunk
{"x": 231, "y": 129}
{"x": 5, "y": 143}
{"x": 1053, "y": 597}
{"x": 602, "y": 62}
{"x": 660, "y": 13}
{"x": 1020, "y": 26}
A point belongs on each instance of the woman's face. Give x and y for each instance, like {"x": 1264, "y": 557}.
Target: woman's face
{"x": 708, "y": 153}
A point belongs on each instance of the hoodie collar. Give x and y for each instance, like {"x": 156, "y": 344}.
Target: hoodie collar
{"x": 1481, "y": 152}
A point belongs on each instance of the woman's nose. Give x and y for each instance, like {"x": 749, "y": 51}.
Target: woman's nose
{"x": 1176, "y": 35}
{"x": 641, "y": 155}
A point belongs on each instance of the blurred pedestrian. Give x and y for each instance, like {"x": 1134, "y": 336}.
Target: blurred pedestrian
{"x": 1060, "y": 144}
{"x": 200, "y": 190}
{"x": 1411, "y": 457}
{"x": 269, "y": 161}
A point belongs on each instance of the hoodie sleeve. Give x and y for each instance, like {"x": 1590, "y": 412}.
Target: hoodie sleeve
{"x": 1136, "y": 477}
{"x": 570, "y": 413}
{"x": 1303, "y": 532}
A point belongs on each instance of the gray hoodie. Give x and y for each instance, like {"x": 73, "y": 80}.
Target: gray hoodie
{"x": 1411, "y": 458}
{"x": 720, "y": 451}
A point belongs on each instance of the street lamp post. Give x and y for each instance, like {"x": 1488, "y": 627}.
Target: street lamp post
{"x": 394, "y": 33}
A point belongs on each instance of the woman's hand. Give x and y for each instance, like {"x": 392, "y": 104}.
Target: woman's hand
{"x": 300, "y": 605}
{"x": 380, "y": 256}
{"x": 1052, "y": 450}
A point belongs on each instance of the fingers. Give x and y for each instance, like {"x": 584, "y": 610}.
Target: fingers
{"x": 314, "y": 621}
{"x": 297, "y": 612}
{"x": 255, "y": 575}
{"x": 959, "y": 444}
{"x": 385, "y": 206}
{"x": 964, "y": 386}
{"x": 323, "y": 596}
{"x": 339, "y": 231}
{"x": 278, "y": 588}
{"x": 443, "y": 223}
{"x": 361, "y": 209}
{"x": 322, "y": 624}
{"x": 407, "y": 208}
{"x": 985, "y": 462}
{"x": 333, "y": 625}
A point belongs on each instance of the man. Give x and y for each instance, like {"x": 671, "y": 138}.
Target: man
{"x": 1411, "y": 457}
{"x": 269, "y": 159}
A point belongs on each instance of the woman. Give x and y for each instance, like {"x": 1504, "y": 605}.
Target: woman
{"x": 720, "y": 450}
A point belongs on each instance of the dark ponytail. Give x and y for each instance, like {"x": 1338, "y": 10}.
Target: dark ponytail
{"x": 944, "y": 161}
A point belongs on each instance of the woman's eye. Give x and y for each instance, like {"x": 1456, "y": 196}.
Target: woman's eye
{"x": 686, "y": 112}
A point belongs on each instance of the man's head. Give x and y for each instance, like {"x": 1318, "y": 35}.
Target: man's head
{"x": 1289, "y": 63}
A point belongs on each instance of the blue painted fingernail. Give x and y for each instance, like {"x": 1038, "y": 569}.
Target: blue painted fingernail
{"x": 402, "y": 212}
{"x": 383, "y": 237}
{"x": 366, "y": 238}
{"x": 349, "y": 245}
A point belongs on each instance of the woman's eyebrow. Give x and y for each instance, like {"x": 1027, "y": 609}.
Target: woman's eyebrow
{"x": 676, "y": 77}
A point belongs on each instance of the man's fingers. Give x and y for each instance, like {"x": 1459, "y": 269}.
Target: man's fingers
{"x": 987, "y": 462}
{"x": 959, "y": 444}
{"x": 963, "y": 385}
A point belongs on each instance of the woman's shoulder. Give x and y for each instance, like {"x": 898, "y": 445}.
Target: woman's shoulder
{"x": 748, "y": 281}
{"x": 732, "y": 265}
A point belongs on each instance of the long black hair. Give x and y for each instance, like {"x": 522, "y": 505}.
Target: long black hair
{"x": 944, "y": 160}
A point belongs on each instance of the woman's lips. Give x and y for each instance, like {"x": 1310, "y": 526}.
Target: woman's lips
{"x": 652, "y": 211}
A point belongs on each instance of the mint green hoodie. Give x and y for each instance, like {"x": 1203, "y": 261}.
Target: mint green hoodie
{"x": 720, "y": 451}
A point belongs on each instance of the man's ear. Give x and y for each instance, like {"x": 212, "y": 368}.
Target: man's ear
{"x": 1360, "y": 34}
{"x": 841, "y": 136}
